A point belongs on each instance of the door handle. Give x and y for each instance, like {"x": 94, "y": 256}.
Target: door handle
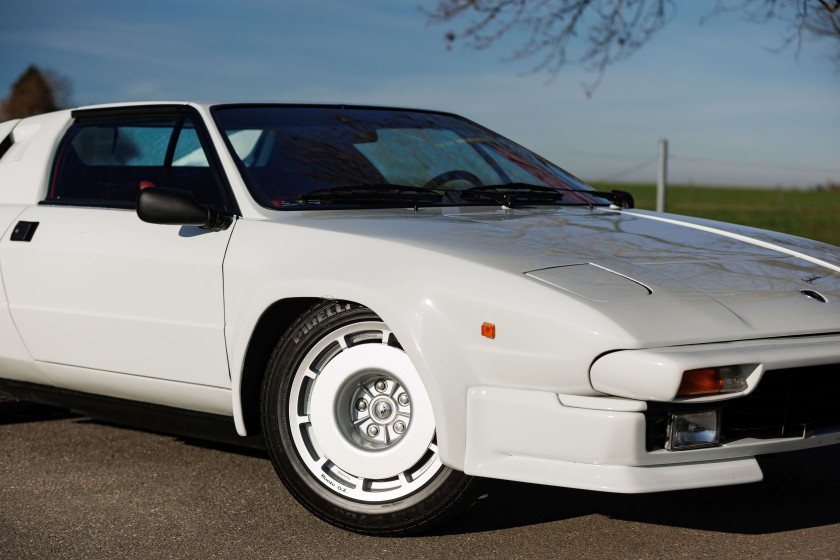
{"x": 24, "y": 231}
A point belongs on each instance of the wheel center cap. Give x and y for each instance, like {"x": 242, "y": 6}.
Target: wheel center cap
{"x": 382, "y": 410}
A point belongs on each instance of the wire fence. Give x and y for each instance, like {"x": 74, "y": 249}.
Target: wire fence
{"x": 649, "y": 163}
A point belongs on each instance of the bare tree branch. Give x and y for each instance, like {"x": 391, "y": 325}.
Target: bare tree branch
{"x": 592, "y": 33}
{"x": 597, "y": 33}
{"x": 806, "y": 19}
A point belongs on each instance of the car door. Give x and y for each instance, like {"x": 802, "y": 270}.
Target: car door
{"x": 92, "y": 286}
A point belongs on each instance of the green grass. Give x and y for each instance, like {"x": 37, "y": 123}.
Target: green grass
{"x": 811, "y": 214}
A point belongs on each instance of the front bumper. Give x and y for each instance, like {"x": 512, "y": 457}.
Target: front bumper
{"x": 599, "y": 443}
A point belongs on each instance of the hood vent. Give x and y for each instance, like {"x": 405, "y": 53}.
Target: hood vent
{"x": 814, "y": 295}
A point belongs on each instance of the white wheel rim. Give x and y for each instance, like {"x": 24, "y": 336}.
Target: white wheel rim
{"x": 360, "y": 417}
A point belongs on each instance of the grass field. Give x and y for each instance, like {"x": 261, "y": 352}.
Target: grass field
{"x": 811, "y": 214}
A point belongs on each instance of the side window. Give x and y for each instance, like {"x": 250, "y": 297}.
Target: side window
{"x": 188, "y": 150}
{"x": 108, "y": 163}
{"x": 190, "y": 168}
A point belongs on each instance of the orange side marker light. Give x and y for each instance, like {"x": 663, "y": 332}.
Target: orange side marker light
{"x": 488, "y": 330}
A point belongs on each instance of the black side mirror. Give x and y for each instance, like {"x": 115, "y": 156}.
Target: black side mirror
{"x": 161, "y": 205}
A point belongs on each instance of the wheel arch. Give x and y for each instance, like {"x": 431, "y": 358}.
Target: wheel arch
{"x": 273, "y": 322}
{"x": 423, "y": 323}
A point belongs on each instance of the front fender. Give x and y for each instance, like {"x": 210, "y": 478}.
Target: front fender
{"x": 434, "y": 303}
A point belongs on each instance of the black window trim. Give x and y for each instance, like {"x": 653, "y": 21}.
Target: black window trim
{"x": 170, "y": 150}
{"x": 182, "y": 112}
{"x": 5, "y": 144}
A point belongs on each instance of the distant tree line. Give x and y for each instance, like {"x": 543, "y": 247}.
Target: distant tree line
{"x": 36, "y": 91}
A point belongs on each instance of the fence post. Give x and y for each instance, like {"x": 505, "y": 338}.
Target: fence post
{"x": 662, "y": 181}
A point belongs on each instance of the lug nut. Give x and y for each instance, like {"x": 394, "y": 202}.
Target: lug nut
{"x": 399, "y": 426}
{"x": 403, "y": 399}
{"x": 373, "y": 430}
{"x": 361, "y": 405}
{"x": 381, "y": 385}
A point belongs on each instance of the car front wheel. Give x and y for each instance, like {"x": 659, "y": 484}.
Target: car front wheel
{"x": 350, "y": 428}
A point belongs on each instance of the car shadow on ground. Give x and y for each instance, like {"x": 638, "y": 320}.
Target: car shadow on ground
{"x": 800, "y": 490}
{"x": 19, "y": 412}
{"x": 252, "y": 447}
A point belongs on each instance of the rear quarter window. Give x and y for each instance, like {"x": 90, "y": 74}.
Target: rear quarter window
{"x": 132, "y": 146}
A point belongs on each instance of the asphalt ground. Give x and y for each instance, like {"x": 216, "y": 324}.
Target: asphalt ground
{"x": 71, "y": 487}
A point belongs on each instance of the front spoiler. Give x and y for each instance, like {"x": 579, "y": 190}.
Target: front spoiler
{"x": 532, "y": 436}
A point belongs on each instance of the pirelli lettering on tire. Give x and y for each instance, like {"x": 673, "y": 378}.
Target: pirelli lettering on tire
{"x": 321, "y": 317}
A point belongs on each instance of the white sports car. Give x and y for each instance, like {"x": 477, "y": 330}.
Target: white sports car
{"x": 395, "y": 301}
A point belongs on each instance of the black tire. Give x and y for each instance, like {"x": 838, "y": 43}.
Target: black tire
{"x": 349, "y": 429}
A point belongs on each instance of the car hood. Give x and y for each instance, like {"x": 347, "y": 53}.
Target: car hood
{"x": 733, "y": 281}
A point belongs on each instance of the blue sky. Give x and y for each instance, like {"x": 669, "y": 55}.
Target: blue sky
{"x": 734, "y": 112}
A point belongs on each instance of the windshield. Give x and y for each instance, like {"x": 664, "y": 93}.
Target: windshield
{"x": 295, "y": 157}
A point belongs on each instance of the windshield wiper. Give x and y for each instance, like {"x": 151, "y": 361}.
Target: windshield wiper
{"x": 622, "y": 199}
{"x": 382, "y": 193}
{"x": 506, "y": 194}
{"x": 509, "y": 193}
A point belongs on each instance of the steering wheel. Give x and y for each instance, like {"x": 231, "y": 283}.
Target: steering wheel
{"x": 454, "y": 175}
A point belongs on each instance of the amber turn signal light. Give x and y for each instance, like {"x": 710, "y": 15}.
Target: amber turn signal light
{"x": 711, "y": 381}
{"x": 704, "y": 381}
{"x": 488, "y": 330}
